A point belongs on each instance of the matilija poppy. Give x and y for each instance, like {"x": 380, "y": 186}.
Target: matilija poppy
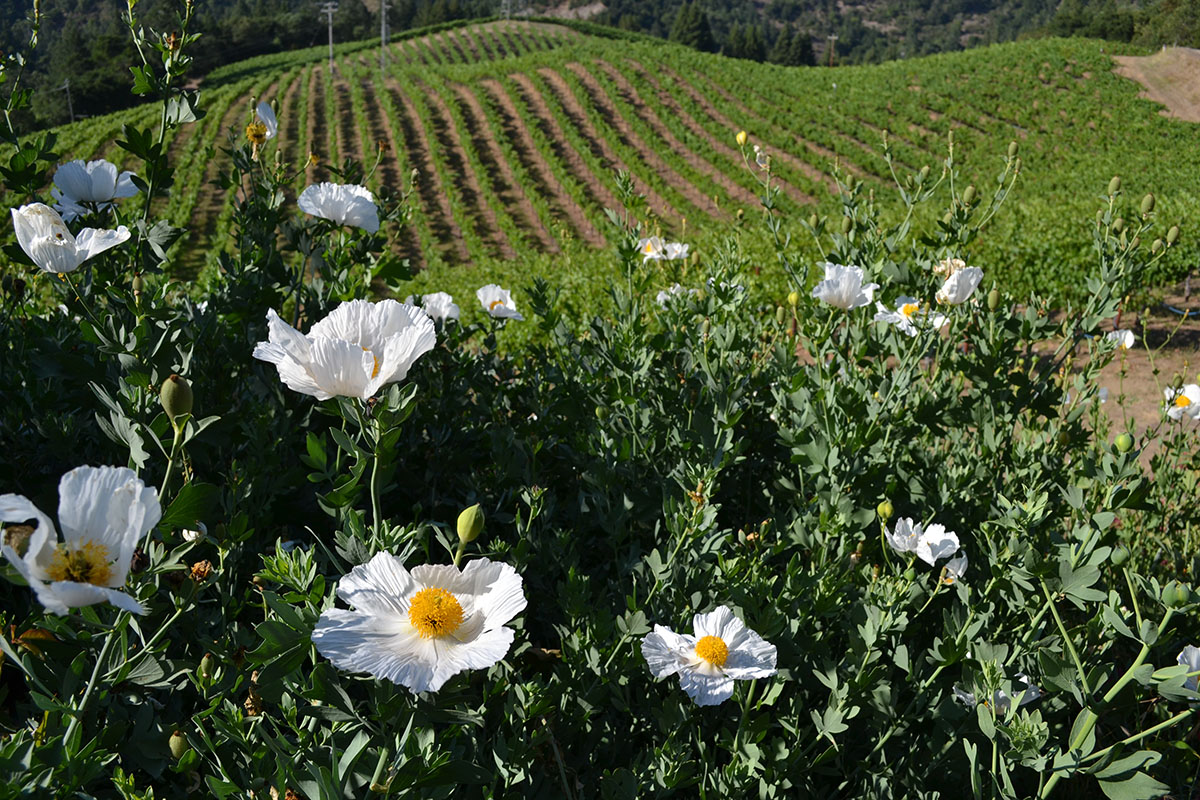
{"x": 345, "y": 204}
{"x": 654, "y": 248}
{"x": 928, "y": 543}
{"x": 438, "y": 305}
{"x": 907, "y": 314}
{"x": 80, "y": 187}
{"x": 354, "y": 352}
{"x": 47, "y": 240}
{"x": 498, "y": 302}
{"x": 721, "y": 651}
{"x": 420, "y": 628}
{"x": 959, "y": 287}
{"x": 843, "y": 287}
{"x": 1000, "y": 699}
{"x": 267, "y": 117}
{"x": 103, "y": 512}
{"x": 1190, "y": 657}
{"x": 1184, "y": 402}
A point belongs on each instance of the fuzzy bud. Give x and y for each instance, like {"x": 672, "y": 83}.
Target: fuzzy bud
{"x": 1156, "y": 245}
{"x": 884, "y": 510}
{"x": 847, "y": 226}
{"x": 780, "y": 315}
{"x": 1124, "y": 443}
{"x": 1176, "y": 595}
{"x": 968, "y": 195}
{"x": 949, "y": 218}
{"x": 176, "y": 397}
{"x": 470, "y": 524}
{"x": 993, "y": 299}
{"x": 813, "y": 220}
{"x": 1120, "y": 556}
{"x": 601, "y": 413}
{"x": 742, "y": 138}
{"x": 1118, "y": 225}
{"x": 793, "y": 299}
{"x": 178, "y": 744}
{"x": 1114, "y": 185}
{"x": 1148, "y": 204}
{"x": 206, "y": 666}
{"x": 1013, "y": 149}
{"x": 923, "y": 174}
{"x": 138, "y": 285}
{"x": 1173, "y": 235}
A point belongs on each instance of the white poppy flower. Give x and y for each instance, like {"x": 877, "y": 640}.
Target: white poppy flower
{"x": 1123, "y": 337}
{"x": 667, "y": 295}
{"x": 267, "y": 117}
{"x": 723, "y": 650}
{"x": 959, "y": 287}
{"x": 1002, "y": 702}
{"x": 354, "y": 352}
{"x": 928, "y": 543}
{"x": 654, "y": 248}
{"x": 954, "y": 569}
{"x": 103, "y": 512}
{"x": 1183, "y": 402}
{"x": 1190, "y": 658}
{"x": 843, "y": 287}
{"x": 498, "y": 302}
{"x": 907, "y": 314}
{"x": 95, "y": 182}
{"x": 419, "y": 629}
{"x": 345, "y": 204}
{"x": 438, "y": 305}
{"x": 46, "y": 239}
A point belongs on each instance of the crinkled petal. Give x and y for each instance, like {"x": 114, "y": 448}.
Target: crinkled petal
{"x": 379, "y": 587}
{"x": 719, "y": 622}
{"x": 343, "y": 204}
{"x": 45, "y": 238}
{"x": 40, "y": 548}
{"x": 60, "y": 596}
{"x": 706, "y": 690}
{"x": 108, "y": 506}
{"x": 752, "y": 657}
{"x": 402, "y": 350}
{"x": 1190, "y": 658}
{"x": 265, "y": 113}
{"x": 94, "y": 241}
{"x": 667, "y": 652}
{"x": 125, "y": 185}
{"x": 497, "y": 589}
{"x": 341, "y": 368}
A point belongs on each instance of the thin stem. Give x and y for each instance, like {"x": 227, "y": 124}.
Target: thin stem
{"x": 176, "y": 443}
{"x": 1067, "y": 641}
{"x": 87, "y": 693}
{"x": 375, "y": 487}
{"x": 458, "y": 554}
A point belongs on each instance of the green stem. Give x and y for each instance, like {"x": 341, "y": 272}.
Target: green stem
{"x": 176, "y": 443}
{"x": 87, "y": 693}
{"x": 375, "y": 490}
{"x": 458, "y": 554}
{"x": 1142, "y": 735}
{"x": 1067, "y": 641}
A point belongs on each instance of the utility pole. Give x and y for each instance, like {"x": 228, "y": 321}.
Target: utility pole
{"x": 327, "y": 9}
{"x": 383, "y": 35}
{"x": 67, "y": 87}
{"x": 506, "y": 9}
{"x": 833, "y": 37}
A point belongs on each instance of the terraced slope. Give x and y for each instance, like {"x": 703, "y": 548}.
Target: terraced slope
{"x": 513, "y": 134}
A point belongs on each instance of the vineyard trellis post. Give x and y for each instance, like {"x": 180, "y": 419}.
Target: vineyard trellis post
{"x": 327, "y": 9}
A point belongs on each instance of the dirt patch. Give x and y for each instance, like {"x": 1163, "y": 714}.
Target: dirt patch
{"x": 1170, "y": 76}
{"x": 500, "y": 173}
{"x": 407, "y": 244}
{"x": 289, "y": 120}
{"x": 536, "y": 165}
{"x": 349, "y": 143}
{"x": 315, "y": 136}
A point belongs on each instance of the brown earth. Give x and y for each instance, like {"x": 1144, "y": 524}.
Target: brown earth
{"x": 348, "y": 137}
{"x": 407, "y": 243}
{"x": 1171, "y": 77}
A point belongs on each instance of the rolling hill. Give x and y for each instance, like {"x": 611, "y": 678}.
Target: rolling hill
{"x": 513, "y": 132}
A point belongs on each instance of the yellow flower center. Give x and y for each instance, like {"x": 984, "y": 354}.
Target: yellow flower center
{"x": 495, "y": 303}
{"x": 86, "y": 563}
{"x": 713, "y": 650}
{"x": 375, "y": 358}
{"x": 434, "y": 612}
{"x": 1182, "y": 401}
{"x": 908, "y": 309}
{"x": 256, "y": 132}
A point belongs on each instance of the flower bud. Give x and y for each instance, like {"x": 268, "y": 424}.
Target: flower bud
{"x": 1119, "y": 556}
{"x": 813, "y": 220}
{"x": 847, "y": 226}
{"x": 1136, "y": 243}
{"x": 742, "y": 138}
{"x": 1114, "y": 185}
{"x": 884, "y": 510}
{"x": 1147, "y": 204}
{"x": 176, "y": 397}
{"x": 949, "y": 218}
{"x": 1156, "y": 245}
{"x": 601, "y": 413}
{"x": 1176, "y": 595}
{"x": 793, "y": 299}
{"x": 968, "y": 195}
{"x": 1124, "y": 443}
{"x": 178, "y": 744}
{"x": 1118, "y": 224}
{"x": 1173, "y": 235}
{"x": 206, "y": 666}
{"x": 923, "y": 174}
{"x": 1013, "y": 147}
{"x": 910, "y": 574}
{"x": 993, "y": 299}
{"x": 470, "y": 524}
{"x": 1063, "y": 438}
{"x": 137, "y": 285}
{"x": 779, "y": 315}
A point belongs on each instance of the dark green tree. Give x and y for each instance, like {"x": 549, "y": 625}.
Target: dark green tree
{"x": 783, "y": 45}
{"x": 692, "y": 29}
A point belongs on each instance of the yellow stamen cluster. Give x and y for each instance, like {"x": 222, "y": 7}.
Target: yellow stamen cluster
{"x": 908, "y": 309}
{"x": 495, "y": 303}
{"x": 375, "y": 358}
{"x": 1182, "y": 401}
{"x": 713, "y": 650}
{"x": 86, "y": 563}
{"x": 256, "y": 133}
{"x": 435, "y": 612}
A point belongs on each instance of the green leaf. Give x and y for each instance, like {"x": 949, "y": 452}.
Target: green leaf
{"x": 193, "y": 502}
{"x": 1138, "y": 786}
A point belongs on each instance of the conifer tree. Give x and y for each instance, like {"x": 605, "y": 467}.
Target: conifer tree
{"x": 782, "y": 49}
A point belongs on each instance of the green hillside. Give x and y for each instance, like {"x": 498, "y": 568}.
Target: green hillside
{"x": 515, "y": 132}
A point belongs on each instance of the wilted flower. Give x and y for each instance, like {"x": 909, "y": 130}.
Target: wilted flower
{"x": 907, "y": 314}
{"x": 1123, "y": 337}
{"x": 761, "y": 158}
{"x": 267, "y": 117}
{"x": 954, "y": 569}
{"x": 1002, "y": 702}
{"x": 256, "y": 134}
{"x": 721, "y": 651}
{"x": 345, "y": 204}
{"x": 46, "y": 239}
{"x": 421, "y": 628}
{"x": 354, "y": 352}
{"x": 654, "y": 248}
{"x": 1183, "y": 402}
{"x": 96, "y": 183}
{"x": 929, "y": 544}
{"x": 498, "y": 302}
{"x": 438, "y": 305}
{"x": 843, "y": 287}
{"x": 1190, "y": 658}
{"x": 667, "y": 295}
{"x": 959, "y": 286}
{"x": 948, "y": 266}
{"x": 103, "y": 512}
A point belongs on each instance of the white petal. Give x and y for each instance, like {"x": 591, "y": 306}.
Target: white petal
{"x": 343, "y": 204}
{"x": 706, "y": 690}
{"x": 341, "y": 368}
{"x": 753, "y": 657}
{"x": 41, "y": 545}
{"x": 1190, "y": 657}
{"x": 74, "y": 181}
{"x": 59, "y": 596}
{"x": 666, "y": 652}
{"x": 267, "y": 115}
{"x": 497, "y": 590}
{"x": 402, "y": 350}
{"x": 94, "y": 241}
{"x": 125, "y": 185}
{"x": 108, "y": 506}
{"x": 356, "y": 642}
{"x": 719, "y": 622}
{"x": 379, "y": 587}
{"x": 45, "y": 238}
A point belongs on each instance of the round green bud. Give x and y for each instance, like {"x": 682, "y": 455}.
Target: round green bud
{"x": 1176, "y": 595}
{"x": 813, "y": 220}
{"x": 1013, "y": 148}
{"x": 601, "y": 413}
{"x": 1136, "y": 243}
{"x": 780, "y": 313}
{"x": 1119, "y": 556}
{"x": 923, "y": 174}
{"x": 178, "y": 744}
{"x": 993, "y": 299}
{"x": 1114, "y": 185}
{"x": 793, "y": 299}
{"x": 1147, "y": 204}
{"x": 176, "y": 397}
{"x": 968, "y": 195}
{"x": 1156, "y": 245}
{"x": 884, "y": 510}
{"x": 1173, "y": 235}
{"x": 470, "y": 523}
{"x": 910, "y": 574}
{"x": 949, "y": 218}
{"x": 847, "y": 226}
{"x": 705, "y": 327}
{"x": 207, "y": 664}
{"x": 1124, "y": 443}
{"x": 137, "y": 285}
{"x": 1063, "y": 438}
{"x": 1119, "y": 224}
